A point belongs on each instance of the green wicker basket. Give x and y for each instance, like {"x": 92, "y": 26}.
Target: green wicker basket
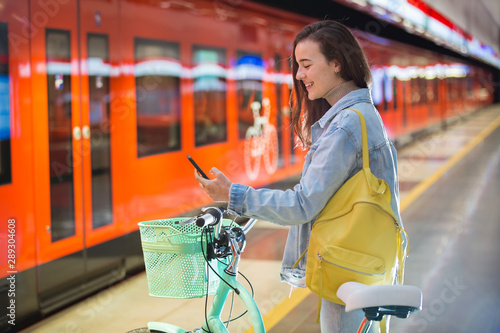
{"x": 175, "y": 266}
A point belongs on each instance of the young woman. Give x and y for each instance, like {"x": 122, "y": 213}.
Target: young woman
{"x": 331, "y": 74}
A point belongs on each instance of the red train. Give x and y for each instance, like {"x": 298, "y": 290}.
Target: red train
{"x": 100, "y": 101}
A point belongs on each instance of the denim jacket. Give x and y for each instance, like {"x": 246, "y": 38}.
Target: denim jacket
{"x": 334, "y": 157}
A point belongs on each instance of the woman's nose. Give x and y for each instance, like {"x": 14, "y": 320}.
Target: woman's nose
{"x": 300, "y": 74}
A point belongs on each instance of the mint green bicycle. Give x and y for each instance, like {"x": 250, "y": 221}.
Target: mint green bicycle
{"x": 196, "y": 257}
{"x": 188, "y": 258}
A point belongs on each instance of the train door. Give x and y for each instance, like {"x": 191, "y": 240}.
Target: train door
{"x": 57, "y": 143}
{"x": 65, "y": 109}
{"x": 99, "y": 58}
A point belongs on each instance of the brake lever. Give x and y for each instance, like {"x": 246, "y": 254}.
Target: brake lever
{"x": 189, "y": 221}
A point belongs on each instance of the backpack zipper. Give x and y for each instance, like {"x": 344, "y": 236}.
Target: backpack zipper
{"x": 320, "y": 257}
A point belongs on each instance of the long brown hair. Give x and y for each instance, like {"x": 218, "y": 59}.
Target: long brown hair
{"x": 337, "y": 43}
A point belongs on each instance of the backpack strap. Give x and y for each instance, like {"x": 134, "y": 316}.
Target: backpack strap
{"x": 364, "y": 140}
{"x": 300, "y": 258}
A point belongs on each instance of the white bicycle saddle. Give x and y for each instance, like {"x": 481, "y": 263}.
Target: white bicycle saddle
{"x": 360, "y": 296}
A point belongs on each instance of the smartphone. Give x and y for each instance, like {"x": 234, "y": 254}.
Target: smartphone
{"x": 197, "y": 167}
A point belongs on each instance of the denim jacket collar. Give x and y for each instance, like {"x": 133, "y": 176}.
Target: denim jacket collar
{"x": 361, "y": 95}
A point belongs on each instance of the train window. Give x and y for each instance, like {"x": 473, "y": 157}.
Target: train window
{"x": 58, "y": 57}
{"x": 378, "y": 87}
{"x": 404, "y": 92}
{"x": 291, "y": 100}
{"x": 423, "y": 90}
{"x": 278, "y": 67}
{"x": 385, "y": 93}
{"x": 158, "y": 98}
{"x": 436, "y": 89}
{"x": 5, "y": 147}
{"x": 99, "y": 97}
{"x": 470, "y": 86}
{"x": 394, "y": 92}
{"x": 249, "y": 76}
{"x": 416, "y": 91}
{"x": 209, "y": 75}
{"x": 413, "y": 92}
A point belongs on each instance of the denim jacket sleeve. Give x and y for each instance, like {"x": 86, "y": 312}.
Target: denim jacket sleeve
{"x": 328, "y": 164}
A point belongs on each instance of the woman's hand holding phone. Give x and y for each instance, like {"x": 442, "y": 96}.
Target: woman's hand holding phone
{"x": 218, "y": 188}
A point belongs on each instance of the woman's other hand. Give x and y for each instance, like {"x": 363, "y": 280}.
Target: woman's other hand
{"x": 218, "y": 188}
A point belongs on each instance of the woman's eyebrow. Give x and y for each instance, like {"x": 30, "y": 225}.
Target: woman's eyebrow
{"x": 305, "y": 59}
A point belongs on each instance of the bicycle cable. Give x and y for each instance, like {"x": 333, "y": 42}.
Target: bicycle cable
{"x": 253, "y": 296}
{"x": 233, "y": 221}
{"x": 230, "y": 310}
{"x": 209, "y": 235}
{"x": 213, "y": 270}
{"x": 208, "y": 280}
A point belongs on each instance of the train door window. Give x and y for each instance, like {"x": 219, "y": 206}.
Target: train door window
{"x": 99, "y": 97}
{"x": 249, "y": 76}
{"x": 5, "y": 147}
{"x": 58, "y": 57}
{"x": 158, "y": 101}
{"x": 209, "y": 75}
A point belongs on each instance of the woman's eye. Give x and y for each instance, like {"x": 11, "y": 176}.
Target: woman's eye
{"x": 307, "y": 66}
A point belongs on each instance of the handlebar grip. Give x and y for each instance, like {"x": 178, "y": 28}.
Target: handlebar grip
{"x": 204, "y": 220}
{"x": 212, "y": 216}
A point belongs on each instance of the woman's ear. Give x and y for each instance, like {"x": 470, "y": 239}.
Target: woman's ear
{"x": 336, "y": 66}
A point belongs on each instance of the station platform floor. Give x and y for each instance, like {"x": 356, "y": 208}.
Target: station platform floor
{"x": 450, "y": 200}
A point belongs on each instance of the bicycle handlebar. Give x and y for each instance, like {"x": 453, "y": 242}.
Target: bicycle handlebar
{"x": 249, "y": 225}
{"x": 227, "y": 240}
{"x": 212, "y": 216}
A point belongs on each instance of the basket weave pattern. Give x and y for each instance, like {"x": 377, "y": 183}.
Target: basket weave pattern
{"x": 175, "y": 266}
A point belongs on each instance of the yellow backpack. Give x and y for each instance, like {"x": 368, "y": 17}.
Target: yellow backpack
{"x": 356, "y": 236}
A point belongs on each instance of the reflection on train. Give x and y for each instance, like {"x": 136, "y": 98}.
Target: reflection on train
{"x": 100, "y": 101}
